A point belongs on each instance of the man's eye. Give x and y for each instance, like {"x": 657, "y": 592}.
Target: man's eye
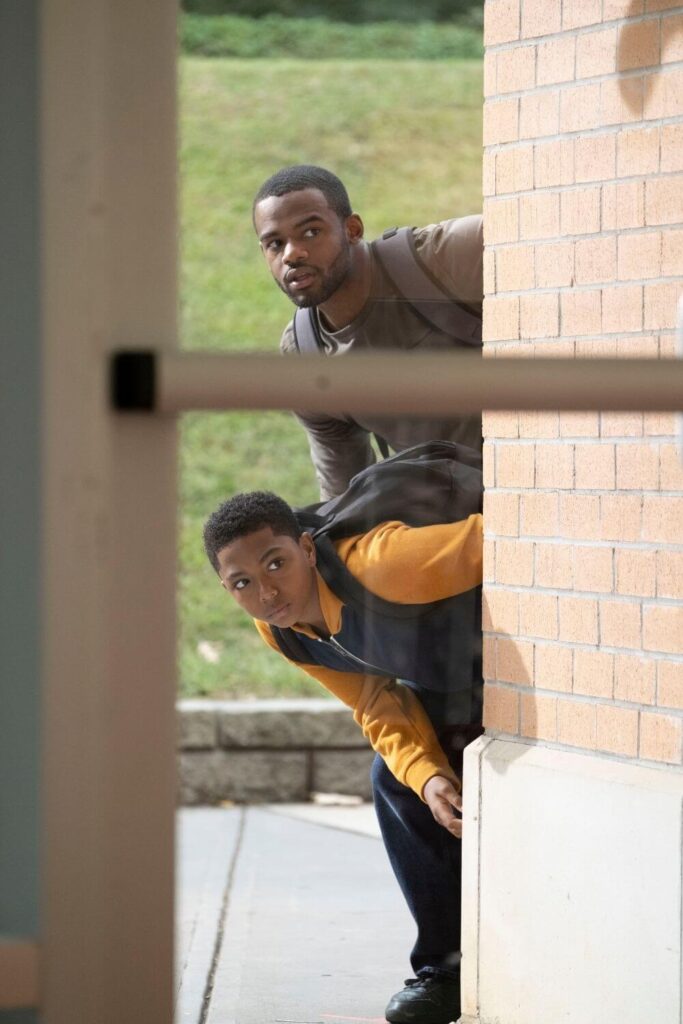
{"x": 311, "y": 232}
{"x": 273, "y": 245}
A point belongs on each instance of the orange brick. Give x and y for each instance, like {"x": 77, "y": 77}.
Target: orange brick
{"x": 501, "y": 121}
{"x": 554, "y": 163}
{"x": 490, "y": 62}
{"x": 638, "y": 467}
{"x": 539, "y": 114}
{"x": 554, "y": 466}
{"x": 579, "y": 620}
{"x": 538, "y": 424}
{"x": 639, "y": 255}
{"x": 501, "y": 220}
{"x": 581, "y": 312}
{"x": 640, "y": 346}
{"x": 501, "y": 318}
{"x": 541, "y": 17}
{"x": 634, "y": 679}
{"x": 593, "y": 673}
{"x": 500, "y": 611}
{"x": 670, "y": 684}
{"x": 595, "y": 157}
{"x": 577, "y": 13}
{"x": 538, "y": 615}
{"x": 660, "y": 424}
{"x": 661, "y": 5}
{"x": 554, "y": 566}
{"x": 501, "y": 513}
{"x": 516, "y": 69}
{"x": 637, "y": 151}
{"x": 489, "y": 561}
{"x": 580, "y": 211}
{"x": 617, "y": 730}
{"x": 663, "y": 519}
{"x": 664, "y": 200}
{"x": 661, "y": 301}
{"x": 501, "y": 21}
{"x": 672, "y": 253}
{"x": 596, "y": 53}
{"x": 515, "y": 268}
{"x": 638, "y": 45}
{"x": 595, "y": 466}
{"x": 593, "y": 570}
{"x": 539, "y": 315}
{"x": 671, "y": 467}
{"x": 636, "y": 572}
{"x": 672, "y": 147}
{"x": 539, "y": 514}
{"x": 580, "y": 516}
{"x": 515, "y": 169}
{"x": 488, "y": 174}
{"x": 670, "y": 574}
{"x": 622, "y": 309}
{"x": 515, "y": 465}
{"x": 620, "y": 517}
{"x": 620, "y": 624}
{"x": 539, "y": 716}
{"x": 595, "y": 260}
{"x": 621, "y": 100}
{"x": 515, "y": 562}
{"x": 576, "y": 723}
{"x": 579, "y": 108}
{"x": 663, "y": 628}
{"x": 501, "y": 709}
{"x": 596, "y": 348}
{"x": 539, "y": 215}
{"x": 489, "y": 657}
{"x": 672, "y": 38}
{"x": 553, "y": 667}
{"x": 579, "y": 424}
{"x": 660, "y": 737}
{"x": 500, "y": 424}
{"x": 489, "y": 271}
{"x": 489, "y": 466}
{"x": 623, "y": 205}
{"x": 621, "y": 424}
{"x": 663, "y": 94}
{"x": 621, "y": 9}
{"x": 515, "y": 661}
{"x": 554, "y": 264}
{"x": 555, "y": 61}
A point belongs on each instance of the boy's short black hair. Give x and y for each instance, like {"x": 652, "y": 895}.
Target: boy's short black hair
{"x": 301, "y": 176}
{"x": 244, "y": 514}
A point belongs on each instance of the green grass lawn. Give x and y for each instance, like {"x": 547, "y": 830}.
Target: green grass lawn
{"x": 405, "y": 137}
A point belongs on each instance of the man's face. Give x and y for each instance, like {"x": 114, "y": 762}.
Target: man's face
{"x": 271, "y": 577}
{"x": 306, "y": 245}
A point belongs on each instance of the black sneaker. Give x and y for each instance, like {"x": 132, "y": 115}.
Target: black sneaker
{"x": 425, "y": 1000}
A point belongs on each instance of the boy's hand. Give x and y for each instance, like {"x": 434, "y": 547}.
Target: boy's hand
{"x": 442, "y": 798}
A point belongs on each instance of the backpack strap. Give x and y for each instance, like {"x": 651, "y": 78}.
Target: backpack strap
{"x": 289, "y": 644}
{"x": 412, "y": 279}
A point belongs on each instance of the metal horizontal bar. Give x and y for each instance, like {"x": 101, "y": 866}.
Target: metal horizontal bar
{"x": 393, "y": 382}
{"x": 19, "y": 963}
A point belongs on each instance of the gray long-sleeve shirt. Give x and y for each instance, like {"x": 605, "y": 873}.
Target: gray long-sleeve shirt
{"x": 340, "y": 445}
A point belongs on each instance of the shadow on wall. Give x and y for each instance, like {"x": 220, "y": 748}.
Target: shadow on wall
{"x": 633, "y": 43}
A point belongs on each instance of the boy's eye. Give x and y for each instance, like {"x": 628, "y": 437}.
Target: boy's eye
{"x": 276, "y": 563}
{"x": 311, "y": 232}
{"x": 240, "y": 584}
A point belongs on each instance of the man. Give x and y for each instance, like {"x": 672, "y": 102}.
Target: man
{"x": 409, "y": 610}
{"x": 315, "y": 249}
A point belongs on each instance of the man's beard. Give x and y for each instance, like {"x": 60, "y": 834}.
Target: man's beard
{"x": 328, "y": 284}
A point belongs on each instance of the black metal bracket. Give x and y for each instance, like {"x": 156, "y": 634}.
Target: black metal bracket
{"x": 133, "y": 381}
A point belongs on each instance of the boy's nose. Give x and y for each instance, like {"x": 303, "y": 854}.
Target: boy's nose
{"x": 268, "y": 592}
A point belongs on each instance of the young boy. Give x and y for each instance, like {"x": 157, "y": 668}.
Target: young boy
{"x": 358, "y": 614}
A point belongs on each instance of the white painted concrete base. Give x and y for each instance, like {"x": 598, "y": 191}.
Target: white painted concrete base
{"x": 572, "y": 887}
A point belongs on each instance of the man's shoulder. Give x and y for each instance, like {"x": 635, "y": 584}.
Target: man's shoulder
{"x": 453, "y": 251}
{"x": 288, "y": 339}
{"x": 456, "y": 234}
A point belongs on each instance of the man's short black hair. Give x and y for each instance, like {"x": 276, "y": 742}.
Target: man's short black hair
{"x": 244, "y": 514}
{"x": 301, "y": 176}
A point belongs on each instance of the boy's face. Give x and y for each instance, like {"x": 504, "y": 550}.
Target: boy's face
{"x": 272, "y": 577}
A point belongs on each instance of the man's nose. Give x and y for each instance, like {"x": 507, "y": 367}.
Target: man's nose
{"x": 294, "y": 252}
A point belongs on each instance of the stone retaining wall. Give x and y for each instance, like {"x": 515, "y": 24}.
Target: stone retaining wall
{"x": 269, "y": 750}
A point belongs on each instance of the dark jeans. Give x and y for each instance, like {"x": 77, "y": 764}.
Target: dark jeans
{"x": 426, "y": 859}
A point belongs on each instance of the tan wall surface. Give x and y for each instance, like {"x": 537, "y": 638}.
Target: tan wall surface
{"x": 583, "y": 185}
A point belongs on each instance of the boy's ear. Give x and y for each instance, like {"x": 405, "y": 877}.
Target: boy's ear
{"x": 308, "y": 547}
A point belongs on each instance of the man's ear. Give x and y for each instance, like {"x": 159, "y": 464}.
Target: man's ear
{"x": 307, "y": 545}
{"x": 354, "y": 229}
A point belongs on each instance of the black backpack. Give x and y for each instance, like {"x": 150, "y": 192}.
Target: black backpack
{"x": 435, "y": 482}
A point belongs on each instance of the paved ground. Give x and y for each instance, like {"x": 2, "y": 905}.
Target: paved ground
{"x": 286, "y": 915}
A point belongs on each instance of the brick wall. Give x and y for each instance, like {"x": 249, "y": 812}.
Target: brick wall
{"x": 583, "y": 185}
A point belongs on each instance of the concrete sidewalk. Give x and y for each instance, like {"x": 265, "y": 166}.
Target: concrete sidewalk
{"x": 286, "y": 914}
